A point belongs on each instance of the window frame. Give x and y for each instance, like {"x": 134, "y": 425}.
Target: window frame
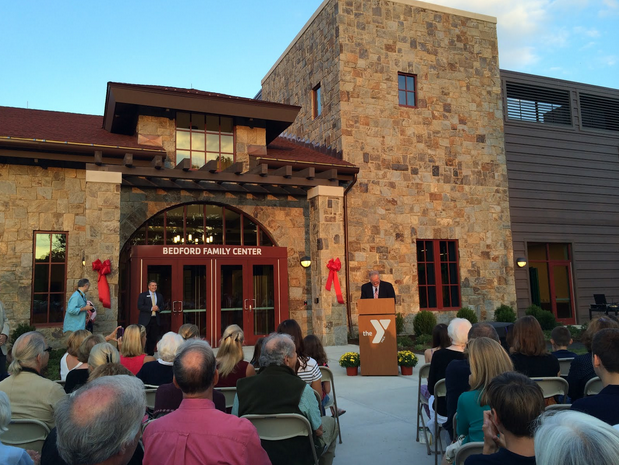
{"x": 316, "y": 101}
{"x": 63, "y": 292}
{"x": 438, "y": 282}
{"x": 406, "y": 90}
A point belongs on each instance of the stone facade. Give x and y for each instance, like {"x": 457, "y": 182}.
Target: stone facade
{"x": 436, "y": 171}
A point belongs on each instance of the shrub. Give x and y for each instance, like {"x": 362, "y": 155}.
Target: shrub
{"x": 575, "y": 332}
{"x": 424, "y": 323}
{"x": 404, "y": 342}
{"x": 505, "y": 314}
{"x": 546, "y": 319}
{"x": 424, "y": 339}
{"x": 468, "y": 314}
{"x": 399, "y": 323}
{"x": 22, "y": 328}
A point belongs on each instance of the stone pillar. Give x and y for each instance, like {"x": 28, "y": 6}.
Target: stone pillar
{"x": 327, "y": 242}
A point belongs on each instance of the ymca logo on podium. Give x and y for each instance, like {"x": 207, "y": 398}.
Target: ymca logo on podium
{"x": 380, "y": 326}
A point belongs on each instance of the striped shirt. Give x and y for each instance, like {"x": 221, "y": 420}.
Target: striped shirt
{"x": 311, "y": 372}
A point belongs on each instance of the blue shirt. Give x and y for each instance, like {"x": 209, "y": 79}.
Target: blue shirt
{"x": 14, "y": 456}
{"x": 471, "y": 417}
{"x": 73, "y": 318}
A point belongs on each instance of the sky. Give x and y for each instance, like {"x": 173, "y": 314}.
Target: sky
{"x": 60, "y": 55}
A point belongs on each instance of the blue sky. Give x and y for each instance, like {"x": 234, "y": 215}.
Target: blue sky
{"x": 60, "y": 55}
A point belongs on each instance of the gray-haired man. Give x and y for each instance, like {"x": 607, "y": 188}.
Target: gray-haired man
{"x": 376, "y": 288}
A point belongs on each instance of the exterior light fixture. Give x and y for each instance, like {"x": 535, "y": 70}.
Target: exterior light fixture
{"x": 83, "y": 259}
{"x": 306, "y": 262}
{"x": 521, "y": 262}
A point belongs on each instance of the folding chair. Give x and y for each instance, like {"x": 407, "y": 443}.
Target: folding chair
{"x": 283, "y": 426}
{"x": 151, "y": 392}
{"x": 327, "y": 376}
{"x": 565, "y": 364}
{"x": 229, "y": 393}
{"x": 424, "y": 372}
{"x": 470, "y": 448}
{"x": 440, "y": 390}
{"x": 26, "y": 434}
{"x": 558, "y": 407}
{"x": 60, "y": 381}
{"x": 593, "y": 386}
{"x": 553, "y": 386}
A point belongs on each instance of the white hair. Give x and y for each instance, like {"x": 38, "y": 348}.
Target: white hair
{"x": 458, "y": 331}
{"x": 168, "y": 346}
{"x": 569, "y": 437}
{"x": 374, "y": 273}
{"x": 5, "y": 412}
{"x": 275, "y": 348}
{"x": 25, "y": 351}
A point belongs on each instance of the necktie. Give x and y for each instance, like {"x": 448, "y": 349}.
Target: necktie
{"x": 153, "y": 299}
{"x": 376, "y": 293}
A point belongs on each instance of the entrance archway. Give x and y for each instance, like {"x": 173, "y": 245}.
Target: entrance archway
{"x": 214, "y": 265}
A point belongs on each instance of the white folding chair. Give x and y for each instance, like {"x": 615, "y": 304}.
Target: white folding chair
{"x": 593, "y": 386}
{"x": 559, "y": 407}
{"x": 470, "y": 448}
{"x": 440, "y": 390}
{"x": 553, "y": 386}
{"x": 283, "y": 426}
{"x": 229, "y": 393}
{"x": 424, "y": 372}
{"x": 26, "y": 434}
{"x": 565, "y": 364}
{"x": 327, "y": 376}
{"x": 151, "y": 392}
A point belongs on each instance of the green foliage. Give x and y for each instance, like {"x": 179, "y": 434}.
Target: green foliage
{"x": 404, "y": 342}
{"x": 546, "y": 319}
{"x": 22, "y": 328}
{"x": 420, "y": 347}
{"x": 407, "y": 359}
{"x": 350, "y": 359}
{"x": 399, "y": 323}
{"x": 424, "y": 323}
{"x": 468, "y": 314}
{"x": 425, "y": 339}
{"x": 53, "y": 366}
{"x": 505, "y": 314}
{"x": 576, "y": 332}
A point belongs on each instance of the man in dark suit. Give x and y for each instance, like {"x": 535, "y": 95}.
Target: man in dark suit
{"x": 377, "y": 289}
{"x": 150, "y": 304}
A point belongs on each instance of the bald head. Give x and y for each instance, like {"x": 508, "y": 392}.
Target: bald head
{"x": 194, "y": 367}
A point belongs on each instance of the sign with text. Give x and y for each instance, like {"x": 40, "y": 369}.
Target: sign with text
{"x": 179, "y": 250}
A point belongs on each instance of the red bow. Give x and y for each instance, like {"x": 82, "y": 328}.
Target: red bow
{"x": 334, "y": 266}
{"x": 103, "y": 268}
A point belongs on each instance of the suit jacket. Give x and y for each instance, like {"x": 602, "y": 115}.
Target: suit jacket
{"x": 385, "y": 290}
{"x": 4, "y": 328}
{"x": 146, "y": 307}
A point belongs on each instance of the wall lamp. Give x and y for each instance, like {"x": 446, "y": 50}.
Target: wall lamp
{"x": 521, "y": 262}
{"x": 306, "y": 262}
{"x": 83, "y": 259}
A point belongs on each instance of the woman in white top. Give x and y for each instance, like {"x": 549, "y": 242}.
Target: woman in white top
{"x": 69, "y": 360}
{"x": 307, "y": 368}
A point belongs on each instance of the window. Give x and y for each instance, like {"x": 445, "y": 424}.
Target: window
{"x": 599, "y": 112}
{"x": 407, "y": 90}
{"x": 437, "y": 270}
{"x": 538, "y": 104}
{"x": 49, "y": 277}
{"x": 202, "y": 138}
{"x": 316, "y": 103}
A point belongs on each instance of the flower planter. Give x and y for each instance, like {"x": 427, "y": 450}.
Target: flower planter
{"x": 352, "y": 371}
{"x": 406, "y": 371}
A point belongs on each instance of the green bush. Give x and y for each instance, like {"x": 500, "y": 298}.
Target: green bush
{"x": 404, "y": 342}
{"x": 546, "y": 319}
{"x": 22, "y": 328}
{"x": 468, "y": 314}
{"x": 505, "y": 314}
{"x": 424, "y": 323}
{"x": 575, "y": 332}
{"x": 425, "y": 339}
{"x": 399, "y": 323}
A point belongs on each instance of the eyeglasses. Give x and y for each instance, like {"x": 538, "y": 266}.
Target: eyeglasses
{"x": 49, "y": 350}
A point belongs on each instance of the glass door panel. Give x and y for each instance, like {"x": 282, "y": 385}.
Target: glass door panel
{"x": 231, "y": 296}
{"x": 194, "y": 296}
{"x": 263, "y": 300}
{"x": 540, "y": 286}
{"x": 162, "y": 275}
{"x": 562, "y": 292}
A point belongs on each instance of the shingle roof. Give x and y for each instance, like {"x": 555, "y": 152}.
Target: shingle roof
{"x": 285, "y": 149}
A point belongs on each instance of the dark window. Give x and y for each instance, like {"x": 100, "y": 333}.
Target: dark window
{"x": 599, "y": 112}
{"x": 316, "y": 102}
{"x": 202, "y": 138}
{"x": 407, "y": 90}
{"x": 538, "y": 104}
{"x": 437, "y": 271}
{"x": 49, "y": 277}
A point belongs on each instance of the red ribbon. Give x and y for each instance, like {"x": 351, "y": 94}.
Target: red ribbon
{"x": 334, "y": 266}
{"x": 103, "y": 268}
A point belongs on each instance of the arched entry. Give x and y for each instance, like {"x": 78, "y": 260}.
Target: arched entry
{"x": 214, "y": 265}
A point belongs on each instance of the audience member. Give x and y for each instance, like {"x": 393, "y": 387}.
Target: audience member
{"x": 581, "y": 369}
{"x": 458, "y": 372}
{"x": 79, "y": 375}
{"x": 169, "y": 397}
{"x": 197, "y": 433}
{"x": 307, "y": 368}
{"x": 275, "y": 390}
{"x": 605, "y": 352}
{"x": 69, "y": 360}
{"x": 487, "y": 359}
{"x": 189, "y": 331}
{"x": 230, "y": 363}
{"x": 315, "y": 350}
{"x": 255, "y": 360}
{"x": 440, "y": 340}
{"x": 101, "y": 354}
{"x": 11, "y": 455}
{"x": 160, "y": 371}
{"x": 560, "y": 338}
{"x": 100, "y": 423}
{"x": 109, "y": 369}
{"x": 573, "y": 438}
{"x": 31, "y": 395}
{"x": 528, "y": 350}
{"x": 515, "y": 402}
{"x": 131, "y": 346}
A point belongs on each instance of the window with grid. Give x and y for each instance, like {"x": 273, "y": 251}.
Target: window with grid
{"x": 316, "y": 103}
{"x": 49, "y": 277}
{"x": 437, "y": 270}
{"x": 407, "y": 90}
{"x": 202, "y": 138}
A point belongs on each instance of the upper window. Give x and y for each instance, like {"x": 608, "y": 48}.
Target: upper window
{"x": 202, "y": 138}
{"x": 407, "y": 90}
{"x": 49, "y": 277}
{"x": 437, "y": 270}
{"x": 538, "y": 104}
{"x": 599, "y": 112}
{"x": 316, "y": 102}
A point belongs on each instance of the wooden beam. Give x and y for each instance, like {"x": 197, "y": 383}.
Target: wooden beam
{"x": 285, "y": 171}
{"x": 128, "y": 160}
{"x": 157, "y": 162}
{"x": 185, "y": 165}
{"x": 307, "y": 173}
{"x": 236, "y": 168}
{"x": 330, "y": 174}
{"x": 98, "y": 157}
{"x": 211, "y": 166}
{"x": 262, "y": 170}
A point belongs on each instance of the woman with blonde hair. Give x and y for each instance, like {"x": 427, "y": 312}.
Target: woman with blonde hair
{"x": 189, "y": 331}
{"x": 131, "y": 344}
{"x": 487, "y": 360}
{"x": 230, "y": 361}
{"x": 79, "y": 375}
{"x": 69, "y": 360}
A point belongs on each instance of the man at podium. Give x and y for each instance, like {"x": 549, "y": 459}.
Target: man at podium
{"x": 377, "y": 289}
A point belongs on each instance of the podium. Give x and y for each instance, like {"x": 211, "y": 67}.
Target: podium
{"x": 378, "y": 346}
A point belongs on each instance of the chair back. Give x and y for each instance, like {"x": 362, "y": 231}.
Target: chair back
{"x": 558, "y": 407}
{"x": 600, "y": 299}
{"x": 565, "y": 364}
{"x": 470, "y": 448}
{"x": 61, "y": 382}
{"x": 440, "y": 389}
{"x": 553, "y": 386}
{"x": 151, "y": 393}
{"x": 327, "y": 376}
{"x": 26, "y": 434}
{"x": 593, "y": 386}
{"x": 229, "y": 393}
{"x": 283, "y": 426}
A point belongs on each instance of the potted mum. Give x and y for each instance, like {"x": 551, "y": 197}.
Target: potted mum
{"x": 407, "y": 360}
{"x": 350, "y": 361}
